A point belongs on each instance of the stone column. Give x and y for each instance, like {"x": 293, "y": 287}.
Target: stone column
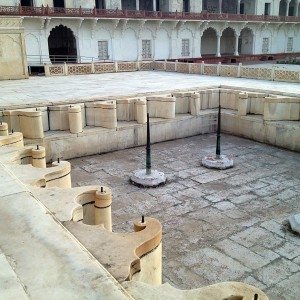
{"x": 154, "y": 5}
{"x": 296, "y": 9}
{"x": 3, "y": 129}
{"x": 218, "y": 54}
{"x": 238, "y": 7}
{"x": 103, "y": 199}
{"x": 75, "y": 119}
{"x": 287, "y": 7}
{"x": 38, "y": 157}
{"x": 220, "y": 6}
{"x": 200, "y": 42}
{"x": 236, "y": 50}
{"x": 137, "y": 4}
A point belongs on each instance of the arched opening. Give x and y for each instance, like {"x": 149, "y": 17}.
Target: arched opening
{"x": 229, "y": 6}
{"x": 282, "y": 8}
{"x": 247, "y": 7}
{"x": 62, "y": 45}
{"x": 186, "y": 6}
{"x": 26, "y": 2}
{"x": 227, "y": 42}
{"x": 246, "y": 41}
{"x": 129, "y": 4}
{"x": 209, "y": 42}
{"x": 100, "y": 4}
{"x": 59, "y": 3}
{"x": 162, "y": 5}
{"x": 211, "y": 6}
{"x": 146, "y": 5}
{"x": 292, "y": 8}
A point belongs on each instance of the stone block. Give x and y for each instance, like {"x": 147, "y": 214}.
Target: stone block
{"x": 161, "y": 107}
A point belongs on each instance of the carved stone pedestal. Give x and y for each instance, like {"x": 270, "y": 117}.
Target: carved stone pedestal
{"x": 142, "y": 179}
{"x": 220, "y": 163}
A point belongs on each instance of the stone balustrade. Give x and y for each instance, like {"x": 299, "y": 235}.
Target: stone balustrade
{"x": 273, "y": 72}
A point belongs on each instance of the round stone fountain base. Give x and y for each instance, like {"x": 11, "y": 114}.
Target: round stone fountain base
{"x": 295, "y": 223}
{"x": 221, "y": 163}
{"x": 142, "y": 179}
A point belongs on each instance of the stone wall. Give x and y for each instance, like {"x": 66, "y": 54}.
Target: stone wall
{"x": 74, "y": 130}
{"x": 13, "y": 62}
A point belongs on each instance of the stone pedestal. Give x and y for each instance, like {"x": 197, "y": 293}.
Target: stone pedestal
{"x": 295, "y": 223}
{"x": 142, "y": 179}
{"x": 221, "y": 163}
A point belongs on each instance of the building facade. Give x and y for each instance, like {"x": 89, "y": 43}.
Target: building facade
{"x": 128, "y": 30}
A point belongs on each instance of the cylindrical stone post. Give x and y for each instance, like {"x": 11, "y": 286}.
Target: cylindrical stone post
{"x": 38, "y": 157}
{"x": 31, "y": 124}
{"x": 141, "y": 111}
{"x": 106, "y": 114}
{"x": 75, "y": 119}
{"x": 3, "y": 129}
{"x": 195, "y": 104}
{"x": 103, "y": 199}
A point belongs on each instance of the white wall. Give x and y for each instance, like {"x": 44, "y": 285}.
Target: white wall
{"x": 246, "y": 42}
{"x": 129, "y": 45}
{"x": 125, "y": 41}
{"x": 260, "y": 9}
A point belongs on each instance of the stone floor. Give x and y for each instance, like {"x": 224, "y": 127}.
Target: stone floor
{"x": 46, "y": 90}
{"x": 218, "y": 225}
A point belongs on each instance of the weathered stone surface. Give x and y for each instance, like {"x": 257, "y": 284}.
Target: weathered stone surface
{"x": 197, "y": 216}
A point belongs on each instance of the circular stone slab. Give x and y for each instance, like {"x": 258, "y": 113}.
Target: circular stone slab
{"x": 295, "y": 223}
{"x": 221, "y": 163}
{"x": 155, "y": 179}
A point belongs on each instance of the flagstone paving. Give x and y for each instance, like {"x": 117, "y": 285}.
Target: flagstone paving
{"x": 218, "y": 225}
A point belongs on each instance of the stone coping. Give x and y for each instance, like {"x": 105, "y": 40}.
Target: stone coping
{"x": 88, "y": 100}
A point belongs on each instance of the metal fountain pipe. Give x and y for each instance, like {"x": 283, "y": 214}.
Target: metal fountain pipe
{"x": 218, "y": 147}
{"x": 148, "y": 148}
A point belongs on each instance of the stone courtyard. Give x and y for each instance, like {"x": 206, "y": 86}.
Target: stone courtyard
{"x": 217, "y": 225}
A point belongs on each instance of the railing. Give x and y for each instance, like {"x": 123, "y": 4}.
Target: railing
{"x": 135, "y": 14}
{"x": 36, "y": 60}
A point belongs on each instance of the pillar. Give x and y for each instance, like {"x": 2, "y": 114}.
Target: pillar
{"x": 154, "y": 5}
{"x": 243, "y": 104}
{"x": 31, "y": 123}
{"x": 3, "y": 129}
{"x": 218, "y": 54}
{"x": 106, "y": 114}
{"x": 287, "y": 7}
{"x": 141, "y": 111}
{"x": 61, "y": 177}
{"x": 195, "y": 104}
{"x": 220, "y": 6}
{"x": 238, "y": 7}
{"x": 236, "y": 49}
{"x": 38, "y": 157}
{"x": 296, "y": 9}
{"x": 103, "y": 199}
{"x": 200, "y": 42}
{"x": 137, "y": 4}
{"x": 75, "y": 119}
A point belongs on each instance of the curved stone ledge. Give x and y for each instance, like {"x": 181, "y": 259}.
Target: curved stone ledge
{"x": 124, "y": 249}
